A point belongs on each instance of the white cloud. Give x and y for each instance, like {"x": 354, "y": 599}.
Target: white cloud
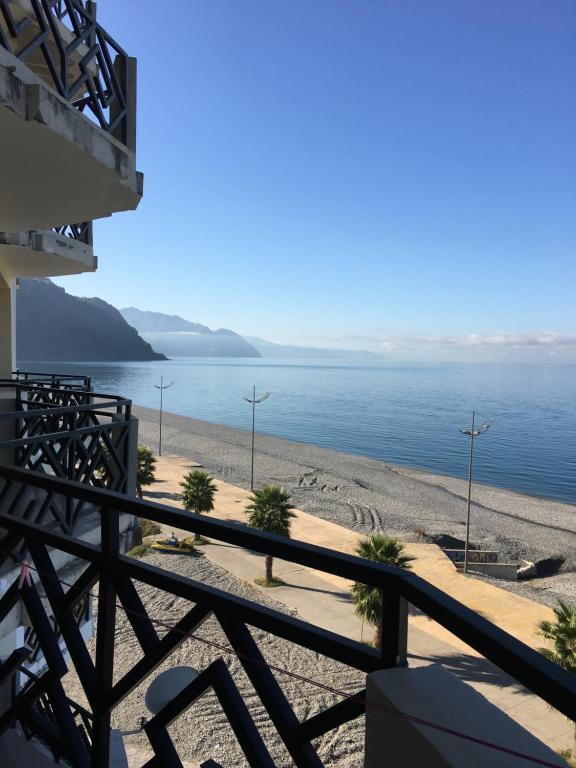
{"x": 537, "y": 346}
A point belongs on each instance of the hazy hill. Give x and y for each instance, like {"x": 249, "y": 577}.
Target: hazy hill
{"x": 157, "y": 322}
{"x": 271, "y": 349}
{"x": 53, "y": 325}
{"x": 178, "y": 337}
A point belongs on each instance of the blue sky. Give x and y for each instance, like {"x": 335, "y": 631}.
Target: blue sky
{"x": 396, "y": 175}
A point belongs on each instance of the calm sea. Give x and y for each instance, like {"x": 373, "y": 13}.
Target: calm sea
{"x": 403, "y": 414}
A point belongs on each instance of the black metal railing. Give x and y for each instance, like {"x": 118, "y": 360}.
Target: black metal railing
{"x": 55, "y": 380}
{"x": 86, "y": 65}
{"x": 82, "y": 614}
{"x": 39, "y": 720}
{"x": 70, "y": 432}
{"x": 118, "y": 576}
{"x": 81, "y": 232}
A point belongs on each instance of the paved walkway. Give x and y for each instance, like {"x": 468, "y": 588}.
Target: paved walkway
{"x": 324, "y": 599}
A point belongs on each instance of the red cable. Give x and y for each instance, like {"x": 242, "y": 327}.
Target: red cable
{"x": 300, "y": 678}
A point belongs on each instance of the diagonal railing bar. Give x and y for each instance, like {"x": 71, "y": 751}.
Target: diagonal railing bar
{"x": 217, "y": 677}
{"x": 136, "y": 613}
{"x": 82, "y": 585}
{"x": 178, "y": 634}
{"x": 332, "y": 717}
{"x": 269, "y": 691}
{"x": 43, "y": 628}
{"x": 65, "y": 618}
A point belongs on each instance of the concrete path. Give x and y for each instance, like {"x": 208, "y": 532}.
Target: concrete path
{"x": 324, "y": 600}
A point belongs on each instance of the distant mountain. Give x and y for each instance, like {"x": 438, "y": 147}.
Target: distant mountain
{"x": 271, "y": 349}
{"x": 53, "y": 325}
{"x": 156, "y": 322}
{"x": 178, "y": 337}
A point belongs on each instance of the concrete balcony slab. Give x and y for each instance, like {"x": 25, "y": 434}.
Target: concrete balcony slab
{"x": 57, "y": 165}
{"x": 44, "y": 254}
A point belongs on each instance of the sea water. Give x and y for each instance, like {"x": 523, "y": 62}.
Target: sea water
{"x": 402, "y": 414}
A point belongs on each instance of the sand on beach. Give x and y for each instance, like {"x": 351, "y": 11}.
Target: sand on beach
{"x": 367, "y": 495}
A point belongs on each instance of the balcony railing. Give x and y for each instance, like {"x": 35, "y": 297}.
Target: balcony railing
{"x": 40, "y": 718}
{"x": 81, "y": 232}
{"x": 118, "y": 574}
{"x": 55, "y": 380}
{"x": 69, "y": 432}
{"x": 80, "y": 60}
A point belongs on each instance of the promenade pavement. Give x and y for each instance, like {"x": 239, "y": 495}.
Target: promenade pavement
{"x": 324, "y": 600}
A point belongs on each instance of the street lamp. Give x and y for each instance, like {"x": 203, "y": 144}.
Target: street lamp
{"x": 161, "y": 387}
{"x": 471, "y": 433}
{"x": 254, "y": 401}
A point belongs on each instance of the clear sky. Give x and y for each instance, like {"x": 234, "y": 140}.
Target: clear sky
{"x": 388, "y": 174}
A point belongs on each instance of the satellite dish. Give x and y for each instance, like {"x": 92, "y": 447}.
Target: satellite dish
{"x": 167, "y": 686}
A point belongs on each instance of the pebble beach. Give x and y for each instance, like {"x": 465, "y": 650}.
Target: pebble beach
{"x": 368, "y": 495}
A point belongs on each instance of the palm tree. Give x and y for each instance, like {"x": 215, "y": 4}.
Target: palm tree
{"x": 368, "y": 600}
{"x": 198, "y": 494}
{"x": 270, "y": 510}
{"x": 562, "y": 634}
{"x": 146, "y": 466}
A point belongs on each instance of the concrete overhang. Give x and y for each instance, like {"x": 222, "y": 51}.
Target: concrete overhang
{"x": 56, "y": 165}
{"x": 43, "y": 254}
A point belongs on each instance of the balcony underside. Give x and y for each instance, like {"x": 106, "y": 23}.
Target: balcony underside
{"x": 56, "y": 166}
{"x": 43, "y": 254}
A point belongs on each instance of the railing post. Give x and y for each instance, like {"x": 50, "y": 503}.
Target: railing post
{"x": 394, "y": 629}
{"x": 105, "y": 631}
{"x": 125, "y": 70}
{"x": 131, "y": 457}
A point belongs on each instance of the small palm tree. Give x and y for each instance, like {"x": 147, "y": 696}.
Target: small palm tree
{"x": 562, "y": 634}
{"x": 368, "y": 600}
{"x": 270, "y": 510}
{"x": 146, "y": 466}
{"x": 198, "y": 494}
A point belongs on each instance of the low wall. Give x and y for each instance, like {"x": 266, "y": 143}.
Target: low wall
{"x": 432, "y": 693}
{"x": 507, "y": 571}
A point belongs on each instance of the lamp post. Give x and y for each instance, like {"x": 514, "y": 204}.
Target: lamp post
{"x": 254, "y": 401}
{"x": 161, "y": 387}
{"x": 471, "y": 433}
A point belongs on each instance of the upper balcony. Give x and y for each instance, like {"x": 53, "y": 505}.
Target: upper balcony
{"x": 67, "y": 117}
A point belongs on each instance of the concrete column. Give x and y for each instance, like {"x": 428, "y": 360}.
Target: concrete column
{"x": 7, "y": 327}
{"x": 7, "y": 360}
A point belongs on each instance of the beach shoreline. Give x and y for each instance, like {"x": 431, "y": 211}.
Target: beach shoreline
{"x": 366, "y": 494}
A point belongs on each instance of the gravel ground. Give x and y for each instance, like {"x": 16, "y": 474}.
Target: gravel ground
{"x": 368, "y": 495}
{"x": 203, "y": 732}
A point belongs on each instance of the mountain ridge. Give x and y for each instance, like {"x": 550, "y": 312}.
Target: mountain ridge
{"x": 176, "y": 336}
{"x": 53, "y": 325}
